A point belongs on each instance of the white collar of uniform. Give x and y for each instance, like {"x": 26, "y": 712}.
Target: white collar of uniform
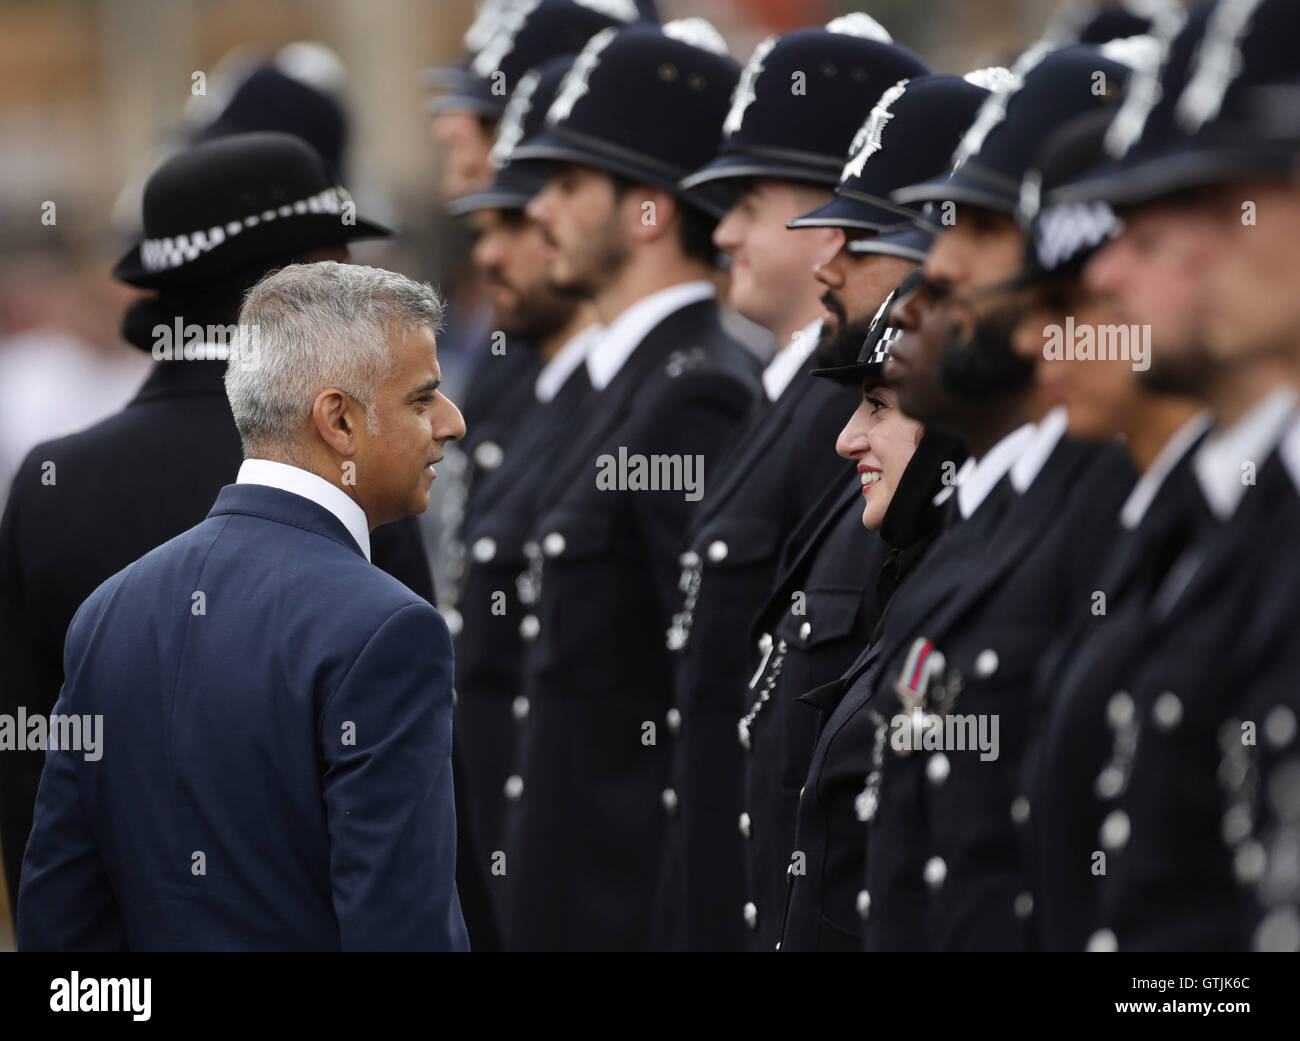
{"x": 624, "y": 334}
{"x": 974, "y": 480}
{"x": 307, "y": 484}
{"x": 556, "y": 372}
{"x": 1289, "y": 450}
{"x": 1219, "y": 460}
{"x": 1050, "y": 429}
{"x": 1152, "y": 480}
{"x": 781, "y": 370}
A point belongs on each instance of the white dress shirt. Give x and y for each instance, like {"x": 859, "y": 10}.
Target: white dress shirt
{"x": 556, "y": 372}
{"x": 1218, "y": 462}
{"x": 309, "y": 486}
{"x": 624, "y": 334}
{"x": 782, "y": 368}
{"x": 975, "y": 479}
{"x": 1152, "y": 480}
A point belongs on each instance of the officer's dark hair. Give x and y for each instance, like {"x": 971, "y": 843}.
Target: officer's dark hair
{"x": 694, "y": 227}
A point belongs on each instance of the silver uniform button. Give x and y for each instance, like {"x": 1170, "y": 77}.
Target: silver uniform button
{"x": 1115, "y": 830}
{"x": 1236, "y": 824}
{"x": 455, "y": 623}
{"x": 938, "y": 768}
{"x": 986, "y": 663}
{"x": 717, "y": 551}
{"x": 489, "y": 455}
{"x": 1024, "y": 905}
{"x": 1280, "y": 726}
{"x": 864, "y": 903}
{"x": 1109, "y": 782}
{"x": 1019, "y": 809}
{"x": 514, "y": 787}
{"x": 674, "y": 718}
{"x": 519, "y": 707}
{"x": 484, "y": 549}
{"x": 805, "y": 630}
{"x": 669, "y": 798}
{"x": 689, "y": 559}
{"x": 750, "y": 912}
{"x": 746, "y": 825}
{"x": 765, "y": 642}
{"x": 935, "y": 872}
{"x": 1167, "y": 710}
{"x": 529, "y": 627}
{"x": 1279, "y": 931}
{"x": 553, "y": 544}
{"x": 1119, "y": 710}
{"x": 1248, "y": 862}
{"x": 1103, "y": 941}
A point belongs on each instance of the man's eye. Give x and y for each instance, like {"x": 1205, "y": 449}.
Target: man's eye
{"x": 876, "y": 404}
{"x": 427, "y": 399}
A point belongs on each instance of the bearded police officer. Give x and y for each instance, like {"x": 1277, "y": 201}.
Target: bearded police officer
{"x": 511, "y": 253}
{"x": 639, "y": 110}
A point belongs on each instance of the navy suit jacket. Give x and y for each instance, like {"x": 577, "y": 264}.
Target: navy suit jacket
{"x": 275, "y": 766}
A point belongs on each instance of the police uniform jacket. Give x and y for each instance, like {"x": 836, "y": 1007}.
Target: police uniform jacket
{"x": 585, "y": 820}
{"x": 944, "y": 866}
{"x": 1071, "y": 771}
{"x": 781, "y": 464}
{"x": 1169, "y": 881}
{"x": 495, "y": 596}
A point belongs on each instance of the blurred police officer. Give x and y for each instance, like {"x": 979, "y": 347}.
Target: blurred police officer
{"x": 639, "y": 110}
{"x": 504, "y": 43}
{"x": 1176, "y": 842}
{"x": 782, "y": 148}
{"x": 1069, "y": 771}
{"x": 511, "y": 253}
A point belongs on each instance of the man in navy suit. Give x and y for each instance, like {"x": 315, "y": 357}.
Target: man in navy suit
{"x": 275, "y": 767}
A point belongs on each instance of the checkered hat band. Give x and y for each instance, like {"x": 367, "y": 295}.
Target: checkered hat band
{"x": 177, "y": 250}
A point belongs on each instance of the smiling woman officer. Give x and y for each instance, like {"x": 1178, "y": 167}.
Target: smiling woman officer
{"x": 901, "y": 467}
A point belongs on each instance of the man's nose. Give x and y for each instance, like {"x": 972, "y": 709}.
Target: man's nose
{"x": 452, "y": 427}
{"x": 829, "y": 273}
{"x": 539, "y": 207}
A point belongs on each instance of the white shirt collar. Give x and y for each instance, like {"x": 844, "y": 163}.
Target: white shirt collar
{"x": 1290, "y": 453}
{"x": 781, "y": 369}
{"x": 1152, "y": 480}
{"x": 1050, "y": 430}
{"x": 974, "y": 480}
{"x": 556, "y": 372}
{"x": 1219, "y": 460}
{"x": 307, "y": 484}
{"x": 624, "y": 334}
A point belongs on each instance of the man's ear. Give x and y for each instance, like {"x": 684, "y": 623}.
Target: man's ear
{"x": 648, "y": 212}
{"x": 334, "y": 417}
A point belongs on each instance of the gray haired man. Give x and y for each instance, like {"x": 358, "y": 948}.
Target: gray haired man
{"x": 276, "y": 770}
